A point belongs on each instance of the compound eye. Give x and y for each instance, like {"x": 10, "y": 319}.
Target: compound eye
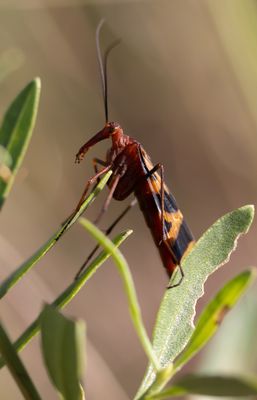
{"x": 113, "y": 126}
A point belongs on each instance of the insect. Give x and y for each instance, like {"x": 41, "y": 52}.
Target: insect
{"x": 133, "y": 172}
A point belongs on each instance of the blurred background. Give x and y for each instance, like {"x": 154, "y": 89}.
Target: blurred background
{"x": 183, "y": 82}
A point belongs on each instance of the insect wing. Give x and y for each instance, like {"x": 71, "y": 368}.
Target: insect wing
{"x": 176, "y": 235}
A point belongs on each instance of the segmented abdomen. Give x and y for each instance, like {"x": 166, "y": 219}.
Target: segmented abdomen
{"x": 174, "y": 239}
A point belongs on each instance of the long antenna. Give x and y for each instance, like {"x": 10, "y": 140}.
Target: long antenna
{"x": 102, "y": 61}
{"x": 106, "y": 54}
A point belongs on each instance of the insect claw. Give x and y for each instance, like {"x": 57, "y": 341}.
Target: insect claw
{"x": 180, "y": 280}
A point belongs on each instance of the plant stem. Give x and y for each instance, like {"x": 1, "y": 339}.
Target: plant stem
{"x": 16, "y": 367}
{"x": 67, "y": 295}
{"x": 124, "y": 271}
{"x": 28, "y": 264}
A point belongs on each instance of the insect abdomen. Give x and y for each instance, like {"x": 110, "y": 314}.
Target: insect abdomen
{"x": 176, "y": 238}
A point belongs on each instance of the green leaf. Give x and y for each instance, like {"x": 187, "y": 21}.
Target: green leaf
{"x": 129, "y": 287}
{"x": 234, "y": 354}
{"x": 15, "y": 134}
{"x": 67, "y": 295}
{"x": 208, "y": 322}
{"x": 63, "y": 346}
{"x": 212, "y": 316}
{"x": 218, "y": 386}
{"x": 16, "y": 367}
{"x": 15, "y": 276}
{"x": 174, "y": 325}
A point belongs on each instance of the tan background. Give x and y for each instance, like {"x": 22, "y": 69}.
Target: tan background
{"x": 184, "y": 83}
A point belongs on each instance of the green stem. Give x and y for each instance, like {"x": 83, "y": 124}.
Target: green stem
{"x": 129, "y": 288}
{"x": 16, "y": 367}
{"x": 67, "y": 295}
{"x": 27, "y": 265}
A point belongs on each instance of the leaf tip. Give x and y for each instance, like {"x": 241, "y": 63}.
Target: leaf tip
{"x": 35, "y": 85}
{"x": 248, "y": 215}
{"x": 37, "y": 82}
{"x": 252, "y": 273}
{"x": 248, "y": 210}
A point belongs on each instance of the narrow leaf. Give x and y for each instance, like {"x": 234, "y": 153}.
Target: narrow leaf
{"x": 15, "y": 276}
{"x": 67, "y": 295}
{"x": 16, "y": 367}
{"x": 218, "y": 386}
{"x": 214, "y": 313}
{"x": 15, "y": 134}
{"x": 129, "y": 287}
{"x": 63, "y": 346}
{"x": 174, "y": 325}
{"x": 234, "y": 353}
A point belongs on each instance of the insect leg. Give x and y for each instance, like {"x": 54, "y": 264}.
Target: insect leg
{"x": 107, "y": 232}
{"x": 182, "y": 274}
{"x": 117, "y": 174}
{"x": 97, "y": 161}
{"x": 90, "y": 182}
{"x": 148, "y": 175}
{"x": 162, "y": 199}
{"x": 108, "y": 199}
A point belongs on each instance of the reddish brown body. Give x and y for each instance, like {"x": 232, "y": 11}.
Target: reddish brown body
{"x": 133, "y": 172}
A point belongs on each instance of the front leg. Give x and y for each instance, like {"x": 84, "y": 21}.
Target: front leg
{"x": 91, "y": 181}
{"x": 98, "y": 161}
{"x": 117, "y": 175}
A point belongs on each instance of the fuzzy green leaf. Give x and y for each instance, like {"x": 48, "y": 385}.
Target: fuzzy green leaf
{"x": 213, "y": 314}
{"x": 15, "y": 134}
{"x": 63, "y": 346}
{"x": 174, "y": 325}
{"x": 218, "y": 386}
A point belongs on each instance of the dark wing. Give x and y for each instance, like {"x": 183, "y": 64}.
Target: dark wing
{"x": 177, "y": 234}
